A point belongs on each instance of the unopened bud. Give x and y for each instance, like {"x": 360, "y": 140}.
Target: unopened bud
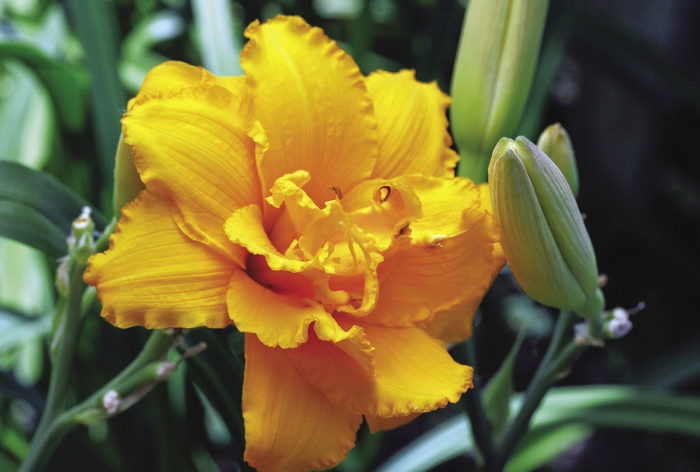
{"x": 542, "y": 232}
{"x": 81, "y": 241}
{"x": 554, "y": 141}
{"x": 493, "y": 72}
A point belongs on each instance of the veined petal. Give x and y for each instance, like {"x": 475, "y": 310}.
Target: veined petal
{"x": 173, "y": 76}
{"x": 412, "y": 126}
{"x": 245, "y": 227}
{"x": 289, "y": 425}
{"x": 277, "y": 320}
{"x": 452, "y": 258}
{"x": 191, "y": 146}
{"x": 421, "y": 280}
{"x": 413, "y": 373}
{"x": 155, "y": 276}
{"x": 377, "y": 423}
{"x": 454, "y": 324}
{"x": 312, "y": 103}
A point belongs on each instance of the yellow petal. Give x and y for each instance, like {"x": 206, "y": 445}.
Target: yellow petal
{"x": 191, "y": 146}
{"x": 377, "y": 423}
{"x": 289, "y": 426}
{"x": 413, "y": 373}
{"x": 413, "y": 136}
{"x": 277, "y": 320}
{"x": 155, "y": 276}
{"x": 173, "y": 76}
{"x": 245, "y": 227}
{"x": 421, "y": 280}
{"x": 452, "y": 325}
{"x": 312, "y": 103}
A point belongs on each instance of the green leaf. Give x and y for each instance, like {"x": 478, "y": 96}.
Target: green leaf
{"x": 25, "y": 224}
{"x": 66, "y": 83}
{"x": 26, "y": 114}
{"x": 222, "y": 391}
{"x": 137, "y": 54}
{"x": 544, "y": 444}
{"x": 15, "y": 331}
{"x": 96, "y": 26}
{"x": 10, "y": 388}
{"x": 499, "y": 390}
{"x": 37, "y": 210}
{"x": 589, "y": 406}
{"x": 220, "y": 38}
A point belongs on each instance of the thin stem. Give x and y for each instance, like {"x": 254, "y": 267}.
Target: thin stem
{"x": 561, "y": 329}
{"x": 65, "y": 338}
{"x": 473, "y": 404}
{"x": 545, "y": 376}
{"x": 45, "y": 440}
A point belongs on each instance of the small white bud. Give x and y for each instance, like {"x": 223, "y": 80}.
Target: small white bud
{"x": 111, "y": 402}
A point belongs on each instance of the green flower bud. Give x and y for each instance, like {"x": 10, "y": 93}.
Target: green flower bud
{"x": 554, "y": 141}
{"x": 127, "y": 183}
{"x": 81, "y": 241}
{"x": 493, "y": 72}
{"x": 542, "y": 232}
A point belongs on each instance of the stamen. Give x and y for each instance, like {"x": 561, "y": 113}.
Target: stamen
{"x": 383, "y": 193}
{"x": 337, "y": 191}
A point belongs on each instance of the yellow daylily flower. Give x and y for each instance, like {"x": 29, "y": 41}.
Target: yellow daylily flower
{"x": 317, "y": 210}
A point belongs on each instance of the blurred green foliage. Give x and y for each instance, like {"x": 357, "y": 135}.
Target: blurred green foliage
{"x": 622, "y": 77}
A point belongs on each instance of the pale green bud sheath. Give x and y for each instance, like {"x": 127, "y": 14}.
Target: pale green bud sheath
{"x": 542, "y": 232}
{"x": 127, "y": 183}
{"x": 555, "y": 142}
{"x": 493, "y": 72}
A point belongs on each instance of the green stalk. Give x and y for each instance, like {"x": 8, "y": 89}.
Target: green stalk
{"x": 48, "y": 438}
{"x": 545, "y": 376}
{"x": 473, "y": 404}
{"x": 68, "y": 315}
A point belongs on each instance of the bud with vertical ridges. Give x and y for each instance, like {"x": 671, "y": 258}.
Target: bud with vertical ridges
{"x": 554, "y": 141}
{"x": 493, "y": 72}
{"x": 542, "y": 232}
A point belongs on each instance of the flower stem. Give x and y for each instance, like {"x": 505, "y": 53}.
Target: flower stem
{"x": 473, "y": 405}
{"x": 557, "y": 360}
{"x": 63, "y": 343}
{"x": 48, "y": 438}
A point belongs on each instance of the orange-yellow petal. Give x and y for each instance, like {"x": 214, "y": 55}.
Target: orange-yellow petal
{"x": 413, "y": 373}
{"x": 289, "y": 425}
{"x": 173, "y": 76}
{"x": 191, "y": 146}
{"x": 377, "y": 423}
{"x": 412, "y": 126}
{"x": 417, "y": 282}
{"x": 277, "y": 320}
{"x": 312, "y": 103}
{"x": 454, "y": 324}
{"x": 155, "y": 276}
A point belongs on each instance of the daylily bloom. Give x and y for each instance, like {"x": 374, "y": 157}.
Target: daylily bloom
{"x": 317, "y": 210}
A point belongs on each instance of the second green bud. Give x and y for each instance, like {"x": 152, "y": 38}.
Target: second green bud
{"x": 543, "y": 235}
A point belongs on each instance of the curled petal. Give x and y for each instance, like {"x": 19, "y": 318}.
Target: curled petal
{"x": 155, "y": 276}
{"x": 413, "y": 373}
{"x": 312, "y": 103}
{"x": 191, "y": 146}
{"x": 412, "y": 126}
{"x": 288, "y": 424}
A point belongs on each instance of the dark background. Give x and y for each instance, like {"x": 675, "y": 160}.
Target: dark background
{"x": 623, "y": 77}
